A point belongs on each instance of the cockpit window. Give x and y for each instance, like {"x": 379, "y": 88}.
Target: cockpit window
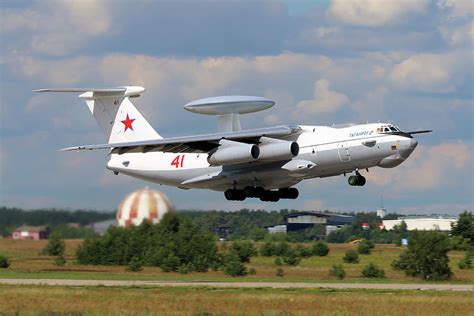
{"x": 386, "y": 129}
{"x": 393, "y": 129}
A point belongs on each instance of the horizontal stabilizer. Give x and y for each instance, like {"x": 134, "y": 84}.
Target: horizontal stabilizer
{"x": 93, "y": 93}
{"x": 82, "y": 90}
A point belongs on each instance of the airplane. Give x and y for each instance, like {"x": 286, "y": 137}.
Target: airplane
{"x": 264, "y": 163}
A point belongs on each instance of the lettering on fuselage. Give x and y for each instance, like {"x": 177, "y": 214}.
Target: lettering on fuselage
{"x": 363, "y": 133}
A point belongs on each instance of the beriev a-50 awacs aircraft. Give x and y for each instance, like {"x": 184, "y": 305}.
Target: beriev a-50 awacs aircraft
{"x": 262, "y": 163}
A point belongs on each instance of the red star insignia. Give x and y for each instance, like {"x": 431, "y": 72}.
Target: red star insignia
{"x": 128, "y": 123}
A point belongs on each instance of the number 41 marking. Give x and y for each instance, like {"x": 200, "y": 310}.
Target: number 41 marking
{"x": 178, "y": 161}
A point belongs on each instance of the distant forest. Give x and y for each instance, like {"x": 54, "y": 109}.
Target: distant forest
{"x": 243, "y": 224}
{"x": 12, "y": 218}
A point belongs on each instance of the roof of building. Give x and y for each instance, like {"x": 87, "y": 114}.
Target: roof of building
{"x": 24, "y": 228}
{"x": 307, "y": 213}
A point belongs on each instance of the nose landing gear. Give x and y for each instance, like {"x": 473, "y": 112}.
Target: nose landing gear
{"x": 357, "y": 180}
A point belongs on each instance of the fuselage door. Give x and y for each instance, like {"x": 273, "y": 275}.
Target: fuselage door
{"x": 344, "y": 154}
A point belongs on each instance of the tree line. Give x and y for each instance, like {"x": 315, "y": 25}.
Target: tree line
{"x": 243, "y": 224}
{"x": 56, "y": 219}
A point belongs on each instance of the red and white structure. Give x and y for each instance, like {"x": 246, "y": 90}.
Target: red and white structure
{"x": 143, "y": 204}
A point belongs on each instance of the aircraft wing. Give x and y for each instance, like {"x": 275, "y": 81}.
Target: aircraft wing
{"x": 196, "y": 143}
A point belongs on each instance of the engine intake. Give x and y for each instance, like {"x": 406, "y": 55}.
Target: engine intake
{"x": 276, "y": 149}
{"x": 231, "y": 152}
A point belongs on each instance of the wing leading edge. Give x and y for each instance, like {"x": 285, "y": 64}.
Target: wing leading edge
{"x": 197, "y": 143}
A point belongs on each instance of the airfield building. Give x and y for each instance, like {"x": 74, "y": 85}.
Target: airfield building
{"x": 30, "y": 232}
{"x": 424, "y": 223}
{"x": 302, "y": 220}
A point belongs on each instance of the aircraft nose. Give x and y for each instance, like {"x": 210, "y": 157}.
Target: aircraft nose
{"x": 407, "y": 147}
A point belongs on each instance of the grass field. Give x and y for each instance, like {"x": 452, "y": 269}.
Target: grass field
{"x": 27, "y": 262}
{"x": 208, "y": 301}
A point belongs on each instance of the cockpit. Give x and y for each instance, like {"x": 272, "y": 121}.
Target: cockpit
{"x": 387, "y": 129}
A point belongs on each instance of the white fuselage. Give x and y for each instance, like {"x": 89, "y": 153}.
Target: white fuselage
{"x": 323, "y": 152}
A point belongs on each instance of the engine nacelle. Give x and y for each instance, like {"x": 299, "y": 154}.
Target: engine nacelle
{"x": 230, "y": 152}
{"x": 275, "y": 149}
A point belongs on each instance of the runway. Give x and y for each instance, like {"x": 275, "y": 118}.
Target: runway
{"x": 275, "y": 285}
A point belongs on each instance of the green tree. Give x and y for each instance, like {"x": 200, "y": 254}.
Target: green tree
{"x": 258, "y": 233}
{"x": 267, "y": 249}
{"x": 60, "y": 260}
{"x": 291, "y": 258}
{"x": 337, "y": 271}
{"x": 245, "y": 250}
{"x": 364, "y": 247}
{"x": 55, "y": 246}
{"x": 173, "y": 244}
{"x": 466, "y": 262}
{"x": 303, "y": 252}
{"x": 458, "y": 242}
{"x": 320, "y": 248}
{"x": 426, "y": 256}
{"x": 233, "y": 266}
{"x": 372, "y": 271}
{"x": 135, "y": 264}
{"x": 4, "y": 262}
{"x": 464, "y": 226}
{"x": 277, "y": 261}
{"x": 281, "y": 248}
{"x": 351, "y": 256}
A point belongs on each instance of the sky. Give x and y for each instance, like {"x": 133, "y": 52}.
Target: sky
{"x": 323, "y": 62}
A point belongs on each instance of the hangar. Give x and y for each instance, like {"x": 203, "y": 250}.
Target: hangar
{"x": 302, "y": 220}
{"x": 443, "y": 224}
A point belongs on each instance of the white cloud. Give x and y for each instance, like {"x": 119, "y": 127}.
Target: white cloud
{"x": 371, "y": 106}
{"x": 458, "y": 35}
{"x": 325, "y": 100}
{"x": 456, "y": 8}
{"x": 429, "y": 167}
{"x": 59, "y": 72}
{"x": 58, "y": 27}
{"x": 429, "y": 72}
{"x": 374, "y": 12}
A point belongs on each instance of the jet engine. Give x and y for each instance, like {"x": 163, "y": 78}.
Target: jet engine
{"x": 231, "y": 152}
{"x": 275, "y": 149}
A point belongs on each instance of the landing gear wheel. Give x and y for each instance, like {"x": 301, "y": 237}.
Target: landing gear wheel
{"x": 352, "y": 180}
{"x": 234, "y": 195}
{"x": 270, "y": 196}
{"x": 288, "y": 193}
{"x": 253, "y": 192}
{"x": 357, "y": 180}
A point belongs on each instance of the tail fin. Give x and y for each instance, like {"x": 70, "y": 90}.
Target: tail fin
{"x": 118, "y": 118}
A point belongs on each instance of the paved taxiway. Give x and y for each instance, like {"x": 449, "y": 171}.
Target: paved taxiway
{"x": 276, "y": 285}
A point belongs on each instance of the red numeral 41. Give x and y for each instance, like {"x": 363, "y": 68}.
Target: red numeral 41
{"x": 178, "y": 161}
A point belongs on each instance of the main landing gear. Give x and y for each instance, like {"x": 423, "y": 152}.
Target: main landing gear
{"x": 357, "y": 180}
{"x": 262, "y": 194}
